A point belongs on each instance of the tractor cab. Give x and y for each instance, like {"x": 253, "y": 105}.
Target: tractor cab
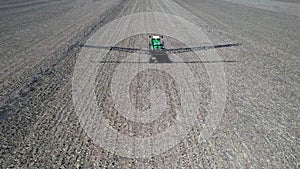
{"x": 156, "y": 42}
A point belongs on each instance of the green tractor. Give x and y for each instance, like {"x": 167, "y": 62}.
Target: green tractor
{"x": 156, "y": 42}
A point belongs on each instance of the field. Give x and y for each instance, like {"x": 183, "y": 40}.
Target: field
{"x": 66, "y": 101}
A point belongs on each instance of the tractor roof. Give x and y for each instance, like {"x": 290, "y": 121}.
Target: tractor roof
{"x": 155, "y": 37}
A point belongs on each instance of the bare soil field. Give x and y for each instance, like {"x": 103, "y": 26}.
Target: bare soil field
{"x": 43, "y": 44}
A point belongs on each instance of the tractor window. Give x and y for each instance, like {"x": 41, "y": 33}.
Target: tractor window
{"x": 156, "y": 41}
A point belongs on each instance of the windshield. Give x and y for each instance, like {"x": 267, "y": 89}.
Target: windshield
{"x": 156, "y": 41}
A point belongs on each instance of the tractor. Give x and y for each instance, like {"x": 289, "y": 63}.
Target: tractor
{"x": 156, "y": 43}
